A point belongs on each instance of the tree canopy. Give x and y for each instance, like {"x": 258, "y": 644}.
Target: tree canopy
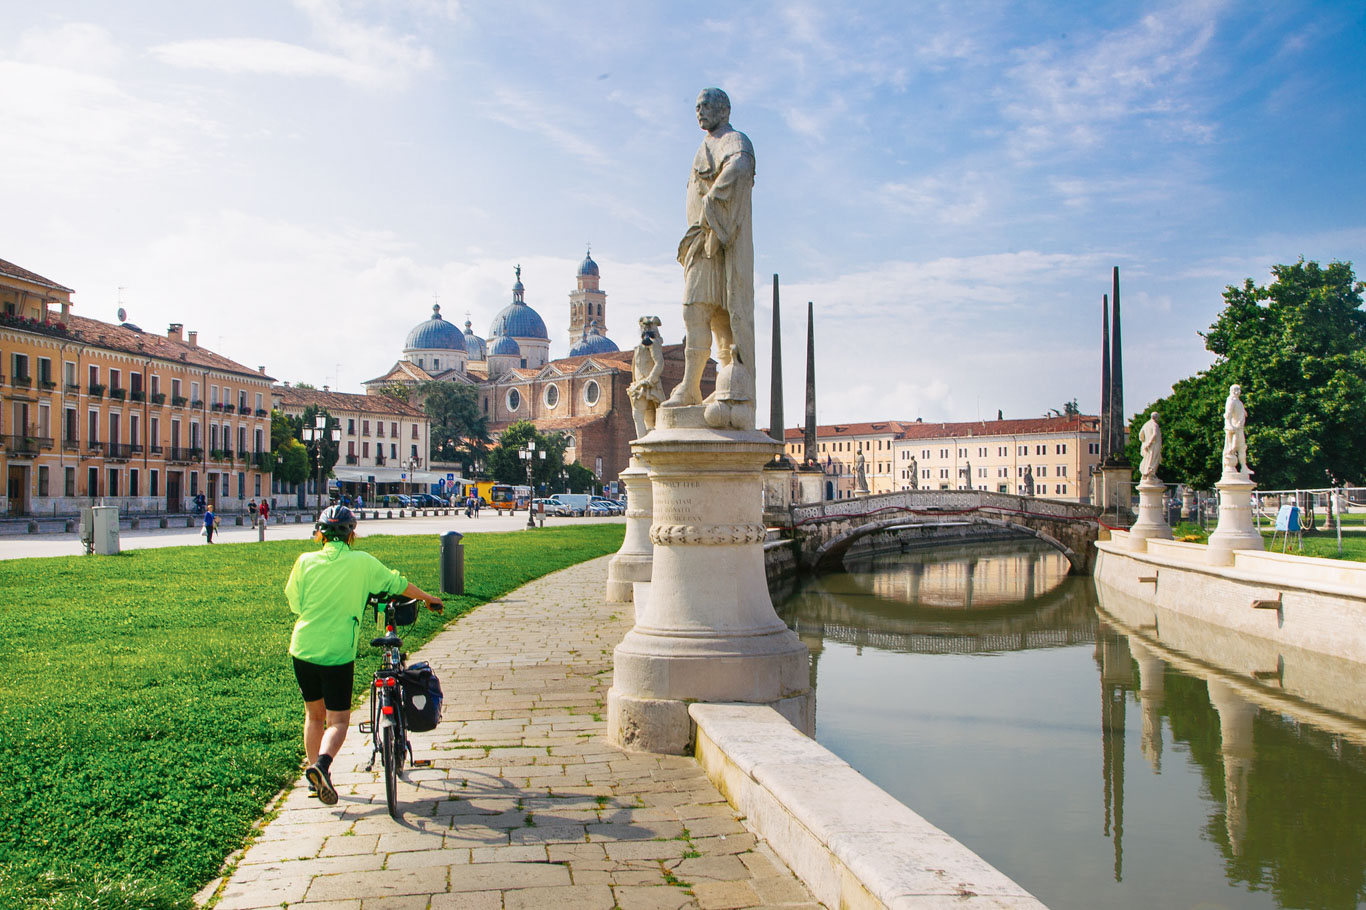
{"x": 506, "y": 466}
{"x": 459, "y": 432}
{"x": 1298, "y": 349}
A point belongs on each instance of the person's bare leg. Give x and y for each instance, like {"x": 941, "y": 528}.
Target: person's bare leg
{"x": 315, "y": 722}
{"x": 335, "y": 734}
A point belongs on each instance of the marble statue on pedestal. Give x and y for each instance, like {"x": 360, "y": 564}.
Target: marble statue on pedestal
{"x": 1150, "y": 440}
{"x": 915, "y": 473}
{"x": 1029, "y": 480}
{"x": 1235, "y": 437}
{"x": 717, "y": 254}
{"x": 647, "y": 366}
{"x": 860, "y": 472}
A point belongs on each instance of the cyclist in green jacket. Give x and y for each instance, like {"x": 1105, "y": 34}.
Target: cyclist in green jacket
{"x": 328, "y": 589}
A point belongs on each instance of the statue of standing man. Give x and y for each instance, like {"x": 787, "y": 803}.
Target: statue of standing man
{"x": 1235, "y": 433}
{"x": 1150, "y": 442}
{"x": 647, "y": 366}
{"x": 717, "y": 254}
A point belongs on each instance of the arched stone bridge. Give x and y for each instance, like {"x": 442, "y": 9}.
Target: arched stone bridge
{"x": 826, "y": 530}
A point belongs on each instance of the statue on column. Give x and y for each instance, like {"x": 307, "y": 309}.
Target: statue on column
{"x": 647, "y": 366}
{"x": 915, "y": 473}
{"x": 1235, "y": 438}
{"x": 717, "y": 254}
{"x": 1029, "y": 480}
{"x": 1150, "y": 440}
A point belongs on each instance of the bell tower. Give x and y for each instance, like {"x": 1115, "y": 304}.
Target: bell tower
{"x": 587, "y": 304}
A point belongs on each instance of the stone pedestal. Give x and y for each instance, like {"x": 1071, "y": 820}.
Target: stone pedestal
{"x": 1152, "y": 523}
{"x": 1236, "y": 530}
{"x": 810, "y": 486}
{"x": 1187, "y": 503}
{"x": 707, "y": 631}
{"x": 633, "y": 560}
{"x": 1117, "y": 492}
{"x": 777, "y": 492}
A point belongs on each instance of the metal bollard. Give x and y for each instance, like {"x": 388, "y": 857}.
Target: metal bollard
{"x": 452, "y": 563}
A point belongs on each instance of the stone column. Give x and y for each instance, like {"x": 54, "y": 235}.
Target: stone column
{"x": 1152, "y": 523}
{"x": 1187, "y": 503}
{"x": 777, "y": 492}
{"x": 1152, "y": 694}
{"x": 708, "y": 631}
{"x": 632, "y": 562}
{"x": 1236, "y": 530}
{"x": 1116, "y": 481}
{"x": 811, "y": 484}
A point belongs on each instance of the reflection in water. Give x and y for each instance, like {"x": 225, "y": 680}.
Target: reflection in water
{"x": 956, "y": 680}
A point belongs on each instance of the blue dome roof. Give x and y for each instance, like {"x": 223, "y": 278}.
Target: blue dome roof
{"x": 588, "y": 266}
{"x": 475, "y": 347}
{"x": 517, "y": 320}
{"x": 435, "y": 334}
{"x": 593, "y": 342}
{"x": 502, "y": 345}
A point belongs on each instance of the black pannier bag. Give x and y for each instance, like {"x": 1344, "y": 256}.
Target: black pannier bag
{"x": 421, "y": 697}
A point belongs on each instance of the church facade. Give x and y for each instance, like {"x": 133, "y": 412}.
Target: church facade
{"x": 583, "y": 395}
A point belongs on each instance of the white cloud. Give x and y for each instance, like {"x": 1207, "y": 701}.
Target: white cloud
{"x": 72, "y": 45}
{"x": 560, "y": 126}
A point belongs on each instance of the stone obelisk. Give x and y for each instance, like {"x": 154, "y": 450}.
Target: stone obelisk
{"x": 778, "y": 472}
{"x": 810, "y": 477}
{"x": 708, "y": 632}
{"x": 1115, "y": 470}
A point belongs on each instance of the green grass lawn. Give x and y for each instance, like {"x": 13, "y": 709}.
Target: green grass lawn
{"x": 149, "y": 712}
{"x": 1320, "y": 543}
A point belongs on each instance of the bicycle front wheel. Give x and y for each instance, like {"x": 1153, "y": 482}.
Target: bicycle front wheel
{"x": 391, "y": 757}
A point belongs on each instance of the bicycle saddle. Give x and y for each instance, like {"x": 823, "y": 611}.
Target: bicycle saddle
{"x": 387, "y": 641}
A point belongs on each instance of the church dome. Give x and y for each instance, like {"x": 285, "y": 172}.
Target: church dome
{"x": 588, "y": 267}
{"x": 517, "y": 320}
{"x": 435, "y": 334}
{"x": 503, "y": 346}
{"x": 593, "y": 342}
{"x": 475, "y": 347}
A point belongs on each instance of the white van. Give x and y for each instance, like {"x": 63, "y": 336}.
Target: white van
{"x": 576, "y": 503}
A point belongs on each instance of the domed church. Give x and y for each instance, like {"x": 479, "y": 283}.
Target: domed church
{"x": 583, "y": 395}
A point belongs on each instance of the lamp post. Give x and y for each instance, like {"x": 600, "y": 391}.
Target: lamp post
{"x": 318, "y": 434}
{"x": 529, "y": 454}
{"x": 412, "y": 465}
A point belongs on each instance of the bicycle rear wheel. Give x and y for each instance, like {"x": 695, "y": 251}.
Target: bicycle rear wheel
{"x": 391, "y": 757}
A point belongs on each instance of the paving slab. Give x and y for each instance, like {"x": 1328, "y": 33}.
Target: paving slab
{"x": 526, "y": 803}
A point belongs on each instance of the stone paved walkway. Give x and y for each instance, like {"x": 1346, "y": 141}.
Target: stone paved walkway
{"x": 526, "y": 804}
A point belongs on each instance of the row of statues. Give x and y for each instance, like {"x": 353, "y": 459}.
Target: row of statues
{"x": 1235, "y": 440}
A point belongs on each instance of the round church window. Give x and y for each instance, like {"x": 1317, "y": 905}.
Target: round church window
{"x": 591, "y": 392}
{"x": 514, "y": 399}
{"x": 552, "y": 395}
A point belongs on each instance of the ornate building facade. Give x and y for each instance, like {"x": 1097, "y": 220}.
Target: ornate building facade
{"x": 583, "y": 395}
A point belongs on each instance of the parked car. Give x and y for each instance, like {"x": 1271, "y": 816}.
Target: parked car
{"x": 402, "y": 499}
{"x": 427, "y": 501}
{"x": 552, "y": 507}
{"x": 577, "y": 503}
{"x": 611, "y": 505}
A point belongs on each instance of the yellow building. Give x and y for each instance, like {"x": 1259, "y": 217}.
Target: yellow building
{"x": 1049, "y": 457}
{"x": 94, "y": 411}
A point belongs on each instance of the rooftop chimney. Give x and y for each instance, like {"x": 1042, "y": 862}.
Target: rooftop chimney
{"x": 173, "y": 332}
{"x": 327, "y": 388}
{"x": 194, "y": 339}
{"x": 261, "y": 370}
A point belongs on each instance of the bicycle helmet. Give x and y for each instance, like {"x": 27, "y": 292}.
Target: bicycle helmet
{"x": 336, "y": 523}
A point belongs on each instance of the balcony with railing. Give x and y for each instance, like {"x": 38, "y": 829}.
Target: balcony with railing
{"x": 263, "y": 461}
{"x": 21, "y": 382}
{"x": 25, "y": 446}
{"x": 178, "y": 455}
{"x": 71, "y": 445}
{"x": 118, "y": 451}
{"x": 94, "y": 447}
{"x": 353, "y": 459}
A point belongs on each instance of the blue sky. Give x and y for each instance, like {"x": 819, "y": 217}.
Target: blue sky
{"x": 950, "y": 183}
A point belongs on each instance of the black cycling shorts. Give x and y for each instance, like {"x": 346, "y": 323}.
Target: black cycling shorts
{"x": 331, "y": 684}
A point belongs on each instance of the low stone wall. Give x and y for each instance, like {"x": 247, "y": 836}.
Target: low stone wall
{"x": 852, "y": 844}
{"x": 1317, "y": 605}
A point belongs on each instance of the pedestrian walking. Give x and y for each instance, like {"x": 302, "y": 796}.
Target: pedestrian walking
{"x": 210, "y": 524}
{"x": 251, "y": 510}
{"x": 265, "y": 514}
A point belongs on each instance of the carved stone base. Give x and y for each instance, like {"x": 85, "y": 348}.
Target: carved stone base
{"x": 1187, "y": 503}
{"x": 1151, "y": 522}
{"x": 707, "y": 631}
{"x": 810, "y": 486}
{"x": 1117, "y": 494}
{"x": 1236, "y": 530}
{"x": 633, "y": 561}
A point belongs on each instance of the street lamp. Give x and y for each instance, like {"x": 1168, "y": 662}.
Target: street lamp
{"x": 529, "y": 455}
{"x": 318, "y": 434}
{"x": 412, "y": 464}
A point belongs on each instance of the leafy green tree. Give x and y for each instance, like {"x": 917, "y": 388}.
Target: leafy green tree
{"x": 282, "y": 428}
{"x": 1071, "y": 408}
{"x": 331, "y": 451}
{"x": 398, "y": 391}
{"x": 1298, "y": 349}
{"x": 291, "y": 459}
{"x": 507, "y": 466}
{"x": 459, "y": 432}
{"x": 581, "y": 480}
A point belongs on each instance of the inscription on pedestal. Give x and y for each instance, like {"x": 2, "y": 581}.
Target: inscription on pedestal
{"x": 678, "y": 503}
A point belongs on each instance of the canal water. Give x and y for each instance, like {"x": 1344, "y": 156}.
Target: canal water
{"x": 995, "y": 696}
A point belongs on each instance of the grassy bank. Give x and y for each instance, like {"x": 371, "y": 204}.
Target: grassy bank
{"x": 149, "y": 711}
{"x": 1322, "y": 543}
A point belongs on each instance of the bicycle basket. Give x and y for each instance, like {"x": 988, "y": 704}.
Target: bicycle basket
{"x": 421, "y": 697}
{"x": 405, "y": 610}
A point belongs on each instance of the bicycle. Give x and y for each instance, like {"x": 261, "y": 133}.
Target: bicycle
{"x": 388, "y": 725}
